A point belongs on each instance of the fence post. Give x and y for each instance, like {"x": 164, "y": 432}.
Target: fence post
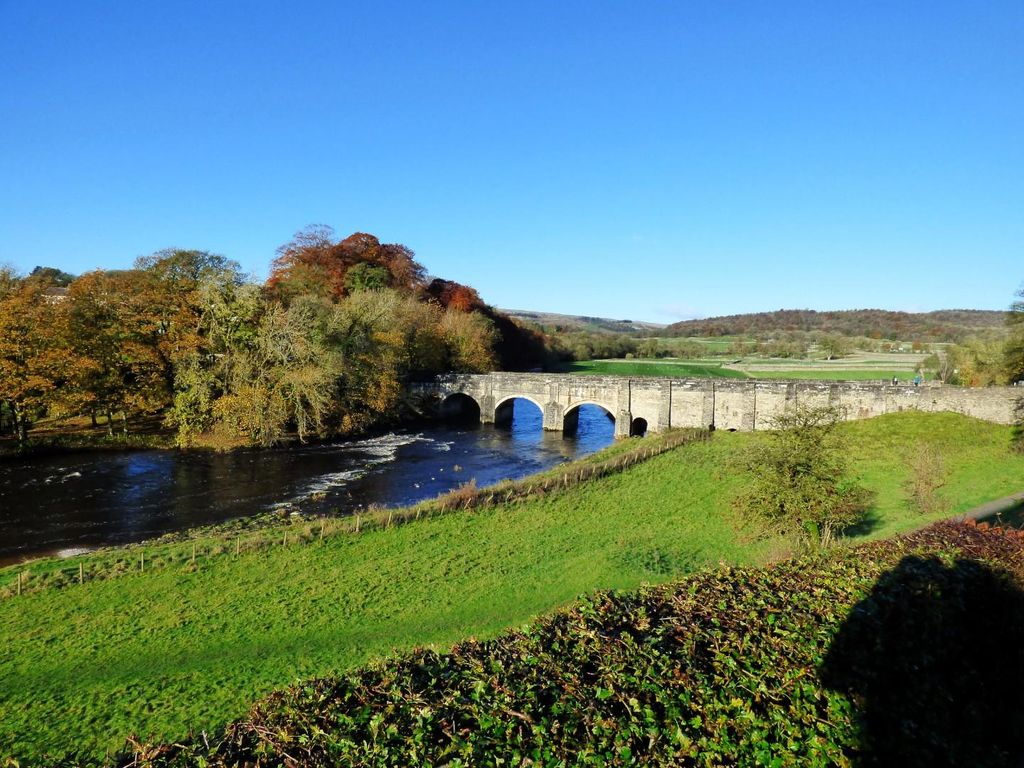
{"x": 322, "y": 526}
{"x": 142, "y": 561}
{"x": 81, "y": 573}
{"x": 357, "y": 523}
{"x": 193, "y": 552}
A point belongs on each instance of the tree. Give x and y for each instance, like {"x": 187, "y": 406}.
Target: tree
{"x": 470, "y": 338}
{"x": 33, "y": 366}
{"x": 286, "y": 378}
{"x": 1015, "y": 364}
{"x": 53, "y": 275}
{"x": 797, "y": 478}
{"x": 834, "y": 346}
{"x": 1014, "y": 357}
{"x": 114, "y": 333}
{"x": 977, "y": 363}
{"x": 314, "y": 263}
{"x": 366, "y": 277}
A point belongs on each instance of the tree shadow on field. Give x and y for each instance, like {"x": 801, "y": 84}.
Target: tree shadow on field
{"x": 872, "y": 519}
{"x": 934, "y": 660}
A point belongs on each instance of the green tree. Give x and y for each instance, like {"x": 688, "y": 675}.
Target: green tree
{"x": 366, "y": 277}
{"x": 286, "y": 380}
{"x": 1014, "y": 358}
{"x": 833, "y": 346}
{"x": 111, "y": 334}
{"x": 228, "y": 325}
{"x": 797, "y": 478}
{"x": 53, "y": 275}
{"x": 1014, "y": 364}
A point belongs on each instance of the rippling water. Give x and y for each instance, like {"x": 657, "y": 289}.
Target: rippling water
{"x": 79, "y": 501}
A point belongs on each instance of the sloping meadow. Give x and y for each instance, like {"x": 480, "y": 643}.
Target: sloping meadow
{"x": 908, "y": 651}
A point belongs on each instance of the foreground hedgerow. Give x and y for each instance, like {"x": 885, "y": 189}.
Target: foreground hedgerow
{"x": 902, "y": 652}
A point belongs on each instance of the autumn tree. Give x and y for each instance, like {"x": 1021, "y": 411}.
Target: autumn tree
{"x": 113, "y": 332}
{"x": 53, "y": 276}
{"x": 229, "y": 326}
{"x": 32, "y": 363}
{"x": 314, "y": 263}
{"x": 471, "y": 339}
{"x": 286, "y": 379}
{"x": 976, "y": 363}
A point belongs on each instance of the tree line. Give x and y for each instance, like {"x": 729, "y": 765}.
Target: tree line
{"x": 324, "y": 347}
{"x": 952, "y": 325}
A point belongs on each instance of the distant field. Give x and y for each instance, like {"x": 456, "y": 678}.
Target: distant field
{"x": 704, "y": 369}
{"x": 719, "y": 345}
{"x": 834, "y": 375}
{"x": 680, "y": 370}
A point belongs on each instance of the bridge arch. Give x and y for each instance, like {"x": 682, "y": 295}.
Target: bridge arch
{"x": 458, "y": 406}
{"x": 503, "y": 409}
{"x": 571, "y": 417}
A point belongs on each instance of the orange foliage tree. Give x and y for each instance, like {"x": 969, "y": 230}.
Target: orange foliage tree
{"x": 314, "y": 263}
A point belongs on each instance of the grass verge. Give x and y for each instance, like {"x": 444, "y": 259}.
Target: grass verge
{"x": 904, "y": 652}
{"x": 186, "y": 647}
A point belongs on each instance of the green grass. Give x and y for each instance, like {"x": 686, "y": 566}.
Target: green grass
{"x": 829, "y": 374}
{"x": 754, "y": 666}
{"x": 181, "y": 648}
{"x": 679, "y": 370}
{"x": 705, "y": 369}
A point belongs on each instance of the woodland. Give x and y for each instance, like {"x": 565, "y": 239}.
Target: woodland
{"x": 323, "y": 347}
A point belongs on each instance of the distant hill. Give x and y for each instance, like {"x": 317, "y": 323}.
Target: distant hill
{"x": 552, "y": 321}
{"x": 941, "y": 325}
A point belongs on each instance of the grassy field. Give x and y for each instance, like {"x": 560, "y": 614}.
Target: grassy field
{"x": 652, "y": 368}
{"x": 834, "y": 374}
{"x": 808, "y": 370}
{"x": 187, "y": 648}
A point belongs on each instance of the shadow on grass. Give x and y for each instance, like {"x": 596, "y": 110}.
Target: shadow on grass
{"x": 872, "y": 519}
{"x": 933, "y": 659}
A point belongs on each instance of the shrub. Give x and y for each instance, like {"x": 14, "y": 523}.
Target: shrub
{"x": 927, "y": 476}
{"x": 798, "y": 481}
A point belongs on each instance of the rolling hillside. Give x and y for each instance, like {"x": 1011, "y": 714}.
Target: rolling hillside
{"x": 941, "y": 325}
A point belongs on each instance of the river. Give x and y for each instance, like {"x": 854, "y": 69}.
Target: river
{"x": 71, "y": 502}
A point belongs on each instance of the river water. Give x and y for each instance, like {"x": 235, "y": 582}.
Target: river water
{"x": 78, "y": 501}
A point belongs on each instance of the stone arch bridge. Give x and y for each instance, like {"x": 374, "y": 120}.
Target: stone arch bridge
{"x": 641, "y": 404}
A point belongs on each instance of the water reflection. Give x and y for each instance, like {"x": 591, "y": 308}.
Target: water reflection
{"x": 93, "y": 499}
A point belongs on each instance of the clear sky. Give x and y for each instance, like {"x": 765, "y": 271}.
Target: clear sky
{"x": 643, "y": 160}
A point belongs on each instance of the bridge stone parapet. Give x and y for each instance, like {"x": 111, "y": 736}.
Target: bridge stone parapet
{"x": 647, "y": 403}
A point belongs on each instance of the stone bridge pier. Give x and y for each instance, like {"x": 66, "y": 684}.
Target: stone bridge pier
{"x": 648, "y": 404}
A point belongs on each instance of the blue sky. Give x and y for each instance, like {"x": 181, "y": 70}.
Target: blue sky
{"x": 635, "y": 160}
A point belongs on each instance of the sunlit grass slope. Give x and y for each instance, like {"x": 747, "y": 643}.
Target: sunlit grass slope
{"x": 163, "y": 652}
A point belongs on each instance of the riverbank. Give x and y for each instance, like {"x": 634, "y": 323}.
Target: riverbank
{"x": 89, "y": 500}
{"x": 164, "y": 651}
{"x": 288, "y": 525}
{"x": 56, "y": 436}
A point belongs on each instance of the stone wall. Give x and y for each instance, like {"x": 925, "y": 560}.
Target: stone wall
{"x": 722, "y": 403}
